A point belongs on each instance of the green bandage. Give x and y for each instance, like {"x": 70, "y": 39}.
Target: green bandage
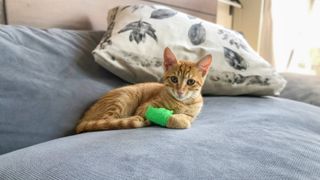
{"x": 158, "y": 116}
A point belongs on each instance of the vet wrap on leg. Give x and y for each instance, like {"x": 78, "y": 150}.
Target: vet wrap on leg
{"x": 158, "y": 116}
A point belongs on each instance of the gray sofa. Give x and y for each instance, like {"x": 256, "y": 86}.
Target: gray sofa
{"x": 48, "y": 78}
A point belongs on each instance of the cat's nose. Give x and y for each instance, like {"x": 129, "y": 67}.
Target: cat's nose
{"x": 180, "y": 93}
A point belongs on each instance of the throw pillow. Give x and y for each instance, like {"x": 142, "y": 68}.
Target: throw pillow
{"x": 132, "y": 48}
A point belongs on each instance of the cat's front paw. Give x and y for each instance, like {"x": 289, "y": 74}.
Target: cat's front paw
{"x": 178, "y": 121}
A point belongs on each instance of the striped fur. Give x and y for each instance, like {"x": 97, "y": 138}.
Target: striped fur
{"x": 124, "y": 108}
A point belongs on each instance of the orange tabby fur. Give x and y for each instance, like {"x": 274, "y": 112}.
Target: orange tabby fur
{"x": 125, "y": 107}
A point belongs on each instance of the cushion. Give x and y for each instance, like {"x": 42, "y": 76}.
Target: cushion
{"x": 304, "y": 88}
{"x": 132, "y": 48}
{"x": 233, "y": 138}
{"x": 47, "y": 80}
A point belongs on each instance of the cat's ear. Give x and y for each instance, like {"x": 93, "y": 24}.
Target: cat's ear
{"x": 204, "y": 64}
{"x": 169, "y": 59}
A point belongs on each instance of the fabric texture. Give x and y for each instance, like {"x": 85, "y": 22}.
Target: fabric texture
{"x": 47, "y": 80}
{"x": 133, "y": 45}
{"x": 233, "y": 138}
{"x": 304, "y": 88}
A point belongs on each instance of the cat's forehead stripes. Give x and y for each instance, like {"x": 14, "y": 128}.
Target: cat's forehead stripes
{"x": 184, "y": 70}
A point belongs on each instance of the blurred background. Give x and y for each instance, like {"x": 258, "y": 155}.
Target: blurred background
{"x": 296, "y": 35}
{"x": 285, "y": 32}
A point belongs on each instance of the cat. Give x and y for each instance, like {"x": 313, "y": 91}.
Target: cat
{"x": 125, "y": 107}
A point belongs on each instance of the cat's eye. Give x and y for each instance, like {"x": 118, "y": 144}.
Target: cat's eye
{"x": 190, "y": 82}
{"x": 174, "y": 79}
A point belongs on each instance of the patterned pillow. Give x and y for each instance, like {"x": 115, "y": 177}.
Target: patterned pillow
{"x": 132, "y": 48}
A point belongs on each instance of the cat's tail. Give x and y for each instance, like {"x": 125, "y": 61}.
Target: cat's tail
{"x": 111, "y": 124}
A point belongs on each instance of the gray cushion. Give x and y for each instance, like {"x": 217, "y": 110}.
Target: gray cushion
{"x": 233, "y": 138}
{"x": 47, "y": 79}
{"x": 304, "y": 88}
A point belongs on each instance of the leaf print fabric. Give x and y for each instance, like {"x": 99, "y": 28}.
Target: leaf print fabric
{"x": 139, "y": 30}
{"x": 234, "y": 59}
{"x": 234, "y": 78}
{"x": 197, "y": 34}
{"x": 106, "y": 37}
{"x": 232, "y": 39}
{"x": 136, "y": 7}
{"x": 133, "y": 45}
{"x": 162, "y": 13}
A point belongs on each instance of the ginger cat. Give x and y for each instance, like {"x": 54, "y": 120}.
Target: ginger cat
{"x": 125, "y": 107}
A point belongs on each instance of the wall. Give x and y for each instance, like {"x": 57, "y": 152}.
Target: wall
{"x": 89, "y": 14}
{"x": 223, "y": 16}
{"x": 248, "y": 20}
{"x": 1, "y": 12}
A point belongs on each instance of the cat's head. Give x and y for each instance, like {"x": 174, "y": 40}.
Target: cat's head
{"x": 184, "y": 79}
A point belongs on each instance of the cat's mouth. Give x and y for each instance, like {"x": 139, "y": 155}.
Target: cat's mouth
{"x": 180, "y": 97}
{"x": 177, "y": 96}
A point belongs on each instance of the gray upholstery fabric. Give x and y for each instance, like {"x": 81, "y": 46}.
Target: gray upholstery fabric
{"x": 304, "y": 88}
{"x": 47, "y": 79}
{"x": 233, "y": 138}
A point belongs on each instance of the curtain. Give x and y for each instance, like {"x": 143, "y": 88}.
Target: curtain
{"x": 295, "y": 35}
{"x": 265, "y": 46}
